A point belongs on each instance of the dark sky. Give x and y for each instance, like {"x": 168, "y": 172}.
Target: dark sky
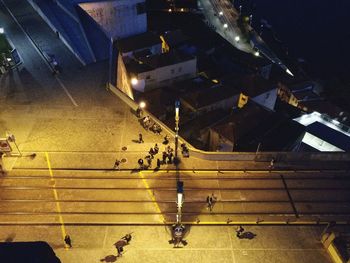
{"x": 317, "y": 30}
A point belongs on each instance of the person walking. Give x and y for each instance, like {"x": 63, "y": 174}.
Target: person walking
{"x": 210, "y": 201}
{"x": 140, "y": 138}
{"x": 120, "y": 250}
{"x": 68, "y": 241}
{"x": 239, "y": 231}
{"x": 116, "y": 164}
{"x": 127, "y": 238}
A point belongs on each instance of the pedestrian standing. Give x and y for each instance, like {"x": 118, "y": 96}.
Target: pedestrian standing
{"x": 140, "y": 138}
{"x": 68, "y": 241}
{"x": 116, "y": 164}
{"x": 139, "y": 112}
{"x": 156, "y": 149}
{"x": 272, "y": 163}
{"x": 151, "y": 152}
{"x": 149, "y": 160}
{"x": 170, "y": 157}
{"x": 140, "y": 162}
{"x": 166, "y": 140}
{"x": 1, "y": 163}
{"x": 164, "y": 157}
{"x": 158, "y": 163}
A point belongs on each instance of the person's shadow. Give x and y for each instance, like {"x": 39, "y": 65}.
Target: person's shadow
{"x": 110, "y": 258}
{"x": 247, "y": 235}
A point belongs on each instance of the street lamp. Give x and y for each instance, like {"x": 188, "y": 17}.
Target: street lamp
{"x": 177, "y": 118}
{"x": 256, "y": 53}
{"x": 237, "y": 38}
{"x": 142, "y": 104}
{"x": 221, "y": 13}
{"x": 225, "y": 25}
{"x": 134, "y": 81}
{"x": 2, "y": 31}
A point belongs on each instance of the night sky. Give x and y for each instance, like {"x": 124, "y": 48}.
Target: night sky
{"x": 315, "y": 30}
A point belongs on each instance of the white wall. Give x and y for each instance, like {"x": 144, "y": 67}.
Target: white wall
{"x": 118, "y": 18}
{"x": 163, "y": 74}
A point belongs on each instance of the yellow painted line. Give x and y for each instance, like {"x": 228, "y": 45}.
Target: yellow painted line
{"x": 152, "y": 196}
{"x": 229, "y": 171}
{"x": 63, "y": 230}
{"x": 260, "y": 223}
{"x": 335, "y": 255}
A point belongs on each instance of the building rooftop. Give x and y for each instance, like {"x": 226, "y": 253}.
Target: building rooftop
{"x": 165, "y": 59}
{"x": 175, "y": 38}
{"x": 251, "y": 85}
{"x": 332, "y": 136}
{"x": 144, "y": 40}
{"x": 253, "y": 125}
{"x": 202, "y": 97}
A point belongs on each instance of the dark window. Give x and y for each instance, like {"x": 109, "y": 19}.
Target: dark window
{"x": 148, "y": 77}
{"x": 141, "y": 8}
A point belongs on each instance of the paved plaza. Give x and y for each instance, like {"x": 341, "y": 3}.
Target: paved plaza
{"x": 91, "y": 244}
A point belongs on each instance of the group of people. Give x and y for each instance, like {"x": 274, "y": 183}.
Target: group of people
{"x": 149, "y": 124}
{"x": 167, "y": 157}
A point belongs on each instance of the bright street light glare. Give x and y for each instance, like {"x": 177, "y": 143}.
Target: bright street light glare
{"x": 221, "y": 13}
{"x": 2, "y": 31}
{"x": 225, "y": 25}
{"x": 142, "y": 104}
{"x": 134, "y": 81}
{"x": 256, "y": 53}
{"x": 237, "y": 38}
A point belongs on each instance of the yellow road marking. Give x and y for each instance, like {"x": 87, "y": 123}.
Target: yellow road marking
{"x": 152, "y": 196}
{"x": 230, "y": 171}
{"x": 63, "y": 230}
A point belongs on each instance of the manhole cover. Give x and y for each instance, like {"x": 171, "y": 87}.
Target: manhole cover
{"x": 124, "y": 148}
{"x": 123, "y": 160}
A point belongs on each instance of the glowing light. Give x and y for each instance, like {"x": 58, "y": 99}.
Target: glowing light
{"x": 289, "y": 72}
{"x": 256, "y": 53}
{"x": 182, "y": 9}
{"x": 169, "y": 10}
{"x": 134, "y": 81}
{"x": 142, "y": 104}
{"x": 237, "y": 38}
{"x": 225, "y": 26}
{"x": 221, "y": 13}
{"x": 2, "y": 31}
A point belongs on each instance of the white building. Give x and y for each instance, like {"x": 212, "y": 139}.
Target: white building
{"x": 324, "y": 134}
{"x": 142, "y": 66}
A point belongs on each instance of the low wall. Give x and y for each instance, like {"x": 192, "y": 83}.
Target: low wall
{"x": 240, "y": 156}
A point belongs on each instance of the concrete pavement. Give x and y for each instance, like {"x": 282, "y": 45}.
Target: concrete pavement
{"x": 293, "y": 244}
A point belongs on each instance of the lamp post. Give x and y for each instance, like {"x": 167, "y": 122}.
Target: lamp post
{"x": 177, "y": 118}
